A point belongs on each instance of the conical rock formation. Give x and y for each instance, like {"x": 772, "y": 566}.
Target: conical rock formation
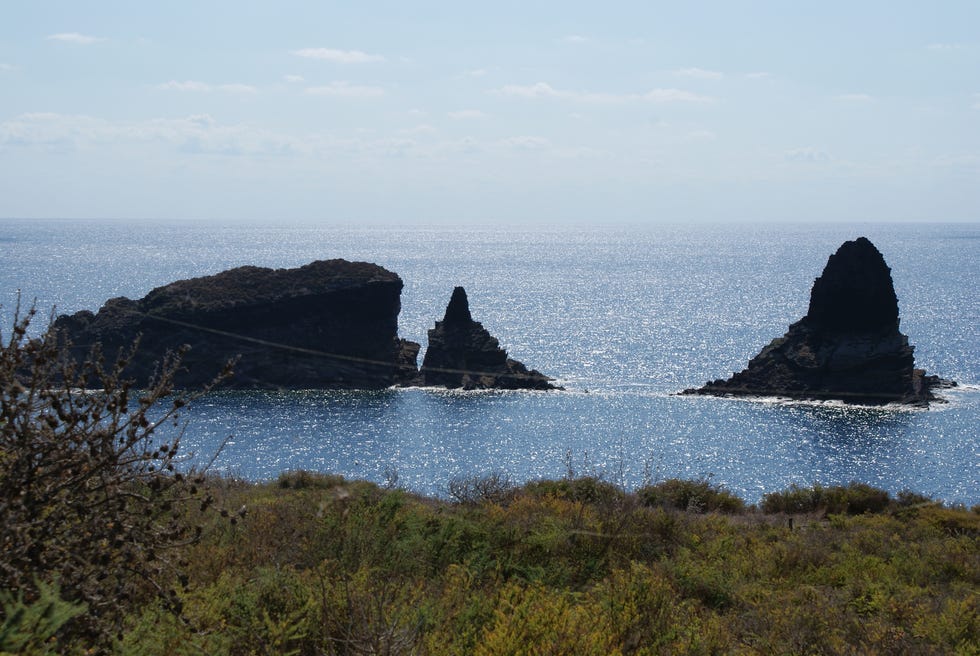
{"x": 463, "y": 354}
{"x": 848, "y": 347}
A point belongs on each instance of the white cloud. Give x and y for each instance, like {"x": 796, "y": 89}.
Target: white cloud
{"x": 422, "y": 128}
{"x": 187, "y": 85}
{"x": 539, "y": 90}
{"x": 338, "y": 56}
{"x": 807, "y": 154}
{"x": 202, "y": 120}
{"x": 238, "y": 88}
{"x": 545, "y": 90}
{"x": 945, "y": 47}
{"x": 466, "y": 145}
{"x": 976, "y": 99}
{"x": 575, "y": 39}
{"x": 758, "y": 75}
{"x": 293, "y": 79}
{"x": 204, "y": 87}
{"x": 196, "y": 134}
{"x": 855, "y": 97}
{"x": 44, "y": 131}
{"x": 466, "y": 114}
{"x": 525, "y": 142}
{"x": 392, "y": 147}
{"x": 968, "y": 163}
{"x": 346, "y": 90}
{"x": 75, "y": 38}
{"x": 698, "y": 73}
{"x": 577, "y": 152}
{"x": 675, "y": 95}
{"x": 4, "y": 68}
{"x": 477, "y": 72}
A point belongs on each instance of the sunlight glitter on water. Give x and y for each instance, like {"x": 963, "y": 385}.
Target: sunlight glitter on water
{"x": 431, "y": 437}
{"x": 622, "y": 318}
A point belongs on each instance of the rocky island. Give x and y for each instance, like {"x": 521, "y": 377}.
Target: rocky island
{"x": 463, "y": 354}
{"x": 848, "y": 347}
{"x": 328, "y": 324}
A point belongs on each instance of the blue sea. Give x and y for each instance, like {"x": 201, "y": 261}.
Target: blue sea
{"x": 623, "y": 318}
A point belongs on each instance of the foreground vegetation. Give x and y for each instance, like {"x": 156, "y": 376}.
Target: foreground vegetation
{"x": 321, "y": 565}
{"x": 106, "y": 548}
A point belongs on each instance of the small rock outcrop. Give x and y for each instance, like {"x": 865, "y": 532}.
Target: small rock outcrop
{"x": 328, "y": 324}
{"x": 462, "y": 354}
{"x": 848, "y": 347}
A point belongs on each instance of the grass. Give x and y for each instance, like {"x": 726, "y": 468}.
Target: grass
{"x": 316, "y": 564}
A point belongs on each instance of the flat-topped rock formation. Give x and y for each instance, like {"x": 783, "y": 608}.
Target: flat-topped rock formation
{"x": 462, "y": 354}
{"x": 848, "y": 347}
{"x": 328, "y": 324}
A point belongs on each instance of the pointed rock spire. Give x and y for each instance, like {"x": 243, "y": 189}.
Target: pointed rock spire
{"x": 855, "y": 291}
{"x": 458, "y": 310}
{"x": 848, "y": 346}
{"x": 463, "y": 354}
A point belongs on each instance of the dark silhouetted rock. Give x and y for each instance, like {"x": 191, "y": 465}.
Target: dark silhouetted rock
{"x": 855, "y": 292}
{"x": 848, "y": 347}
{"x": 328, "y": 324}
{"x": 458, "y": 311}
{"x": 462, "y": 354}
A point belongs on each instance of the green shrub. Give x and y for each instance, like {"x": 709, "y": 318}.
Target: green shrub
{"x": 695, "y": 496}
{"x": 156, "y": 631}
{"x": 534, "y": 619}
{"x": 474, "y": 490}
{"x": 795, "y": 500}
{"x": 852, "y": 499}
{"x": 908, "y": 498}
{"x": 29, "y": 628}
{"x": 584, "y": 489}
{"x": 302, "y": 479}
{"x": 640, "y": 609}
{"x": 860, "y": 498}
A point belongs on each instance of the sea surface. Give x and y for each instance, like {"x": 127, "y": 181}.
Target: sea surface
{"x": 623, "y": 318}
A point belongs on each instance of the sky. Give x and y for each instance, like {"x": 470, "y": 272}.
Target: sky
{"x": 491, "y": 113}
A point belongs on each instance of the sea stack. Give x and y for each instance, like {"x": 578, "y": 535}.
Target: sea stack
{"x": 848, "y": 347}
{"x": 328, "y": 324}
{"x": 462, "y": 354}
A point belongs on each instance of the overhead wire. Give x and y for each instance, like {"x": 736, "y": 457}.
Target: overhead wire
{"x": 313, "y": 352}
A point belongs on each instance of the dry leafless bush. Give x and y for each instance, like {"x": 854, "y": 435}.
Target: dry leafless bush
{"x": 90, "y": 495}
